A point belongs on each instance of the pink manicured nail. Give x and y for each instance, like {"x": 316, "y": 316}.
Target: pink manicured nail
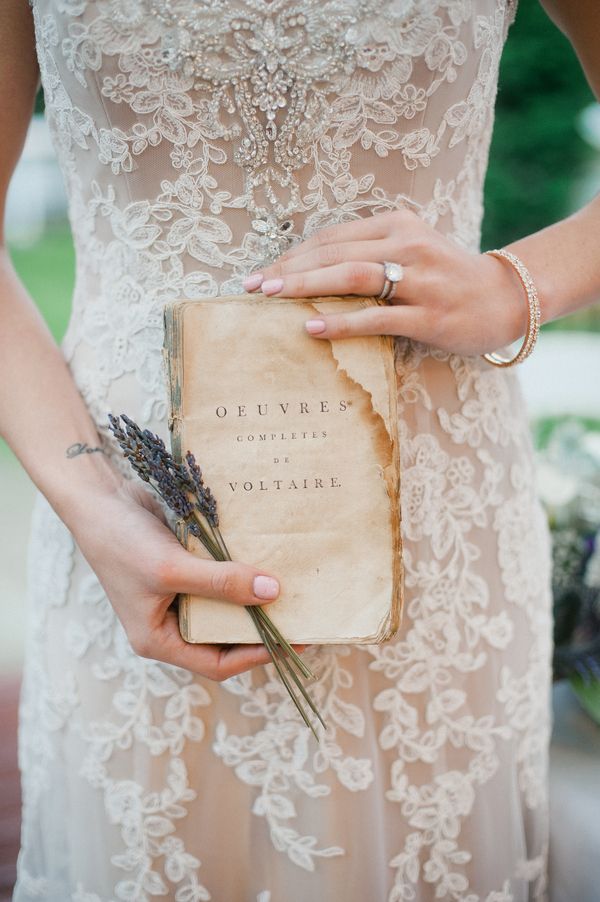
{"x": 253, "y": 281}
{"x": 266, "y": 587}
{"x": 314, "y": 326}
{"x": 272, "y": 285}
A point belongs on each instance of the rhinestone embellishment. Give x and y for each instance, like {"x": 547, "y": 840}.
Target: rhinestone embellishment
{"x": 273, "y": 64}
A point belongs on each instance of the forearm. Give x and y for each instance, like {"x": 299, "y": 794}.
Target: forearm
{"x": 564, "y": 261}
{"x": 42, "y": 414}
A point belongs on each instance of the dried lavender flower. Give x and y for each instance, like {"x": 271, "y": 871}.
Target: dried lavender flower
{"x": 130, "y": 448}
{"x": 207, "y": 502}
{"x": 182, "y": 488}
{"x": 171, "y": 492}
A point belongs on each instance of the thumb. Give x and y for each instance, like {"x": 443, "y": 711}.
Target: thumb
{"x": 226, "y": 580}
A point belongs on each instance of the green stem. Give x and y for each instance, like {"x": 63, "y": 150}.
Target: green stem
{"x": 216, "y": 534}
{"x": 304, "y": 670}
{"x": 306, "y": 695}
{"x": 272, "y": 651}
{"x": 287, "y": 664}
{"x": 219, "y": 537}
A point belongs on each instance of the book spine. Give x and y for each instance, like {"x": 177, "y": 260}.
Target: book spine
{"x": 173, "y": 359}
{"x": 393, "y": 479}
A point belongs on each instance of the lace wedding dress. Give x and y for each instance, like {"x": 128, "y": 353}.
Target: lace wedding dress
{"x": 198, "y": 140}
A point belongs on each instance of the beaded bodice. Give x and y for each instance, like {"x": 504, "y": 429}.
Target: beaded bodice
{"x": 200, "y": 139}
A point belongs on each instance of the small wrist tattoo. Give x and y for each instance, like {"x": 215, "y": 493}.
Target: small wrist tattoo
{"x": 82, "y": 448}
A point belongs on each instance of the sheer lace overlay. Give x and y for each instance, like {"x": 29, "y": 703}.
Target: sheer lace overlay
{"x": 198, "y": 140}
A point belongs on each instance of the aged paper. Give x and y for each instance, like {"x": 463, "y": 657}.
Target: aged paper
{"x": 297, "y": 439}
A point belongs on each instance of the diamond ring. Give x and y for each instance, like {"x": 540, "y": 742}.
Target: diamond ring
{"x": 393, "y": 273}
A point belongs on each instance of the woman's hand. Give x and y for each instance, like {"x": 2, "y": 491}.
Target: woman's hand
{"x": 448, "y": 297}
{"x": 141, "y": 566}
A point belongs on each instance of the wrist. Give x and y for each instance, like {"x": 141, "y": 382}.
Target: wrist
{"x": 532, "y": 325}
{"x": 509, "y": 301}
{"x": 539, "y": 273}
{"x": 89, "y": 481}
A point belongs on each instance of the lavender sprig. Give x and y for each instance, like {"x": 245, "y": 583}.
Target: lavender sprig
{"x": 182, "y": 488}
{"x": 206, "y": 500}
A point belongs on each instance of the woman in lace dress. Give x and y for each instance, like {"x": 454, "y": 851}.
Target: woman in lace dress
{"x": 199, "y": 141}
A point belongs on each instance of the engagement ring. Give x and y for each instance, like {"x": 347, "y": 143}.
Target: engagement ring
{"x": 393, "y": 272}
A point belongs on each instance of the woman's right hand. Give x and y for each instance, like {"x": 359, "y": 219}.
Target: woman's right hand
{"x": 142, "y": 566}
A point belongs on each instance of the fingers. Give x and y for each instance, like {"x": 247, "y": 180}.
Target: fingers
{"x": 380, "y": 320}
{"x": 364, "y": 228}
{"x": 344, "y": 259}
{"x": 213, "y": 661}
{"x": 365, "y": 279}
{"x": 361, "y": 278}
{"x": 226, "y": 580}
{"x": 331, "y": 254}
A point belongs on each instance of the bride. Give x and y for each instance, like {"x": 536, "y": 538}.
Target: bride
{"x": 295, "y": 148}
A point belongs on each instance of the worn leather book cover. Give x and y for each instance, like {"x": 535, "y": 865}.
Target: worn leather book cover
{"x": 297, "y": 439}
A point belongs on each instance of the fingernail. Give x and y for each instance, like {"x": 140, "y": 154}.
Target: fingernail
{"x": 314, "y": 326}
{"x": 266, "y": 587}
{"x": 272, "y": 285}
{"x": 252, "y": 281}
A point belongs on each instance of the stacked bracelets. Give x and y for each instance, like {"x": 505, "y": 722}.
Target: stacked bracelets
{"x": 533, "y": 304}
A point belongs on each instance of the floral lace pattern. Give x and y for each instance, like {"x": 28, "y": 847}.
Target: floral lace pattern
{"x": 198, "y": 140}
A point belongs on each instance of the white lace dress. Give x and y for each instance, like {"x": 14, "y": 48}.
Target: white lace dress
{"x": 197, "y": 141}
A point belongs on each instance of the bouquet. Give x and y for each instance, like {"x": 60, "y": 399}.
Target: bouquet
{"x": 568, "y": 481}
{"x": 181, "y": 486}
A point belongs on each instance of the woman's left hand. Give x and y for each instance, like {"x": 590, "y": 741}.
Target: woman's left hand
{"x": 448, "y": 297}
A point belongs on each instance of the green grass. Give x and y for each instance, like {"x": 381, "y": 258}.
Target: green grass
{"x": 47, "y": 269}
{"x": 588, "y": 694}
{"x": 543, "y": 428}
{"x": 583, "y": 321}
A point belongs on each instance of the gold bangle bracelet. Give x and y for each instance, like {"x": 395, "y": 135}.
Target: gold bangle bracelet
{"x": 534, "y": 314}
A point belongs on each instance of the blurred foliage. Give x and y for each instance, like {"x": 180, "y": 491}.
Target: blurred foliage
{"x": 537, "y": 155}
{"x": 39, "y": 102}
{"x": 568, "y": 484}
{"x": 543, "y": 428}
{"x": 536, "y": 151}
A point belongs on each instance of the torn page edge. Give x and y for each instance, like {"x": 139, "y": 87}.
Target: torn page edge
{"x": 391, "y": 474}
{"x": 386, "y": 345}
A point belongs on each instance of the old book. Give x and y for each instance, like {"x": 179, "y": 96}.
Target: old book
{"x": 297, "y": 439}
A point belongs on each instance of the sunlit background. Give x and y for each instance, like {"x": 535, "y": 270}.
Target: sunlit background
{"x": 545, "y": 163}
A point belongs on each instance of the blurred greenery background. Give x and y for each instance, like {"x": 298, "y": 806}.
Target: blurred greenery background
{"x": 537, "y": 152}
